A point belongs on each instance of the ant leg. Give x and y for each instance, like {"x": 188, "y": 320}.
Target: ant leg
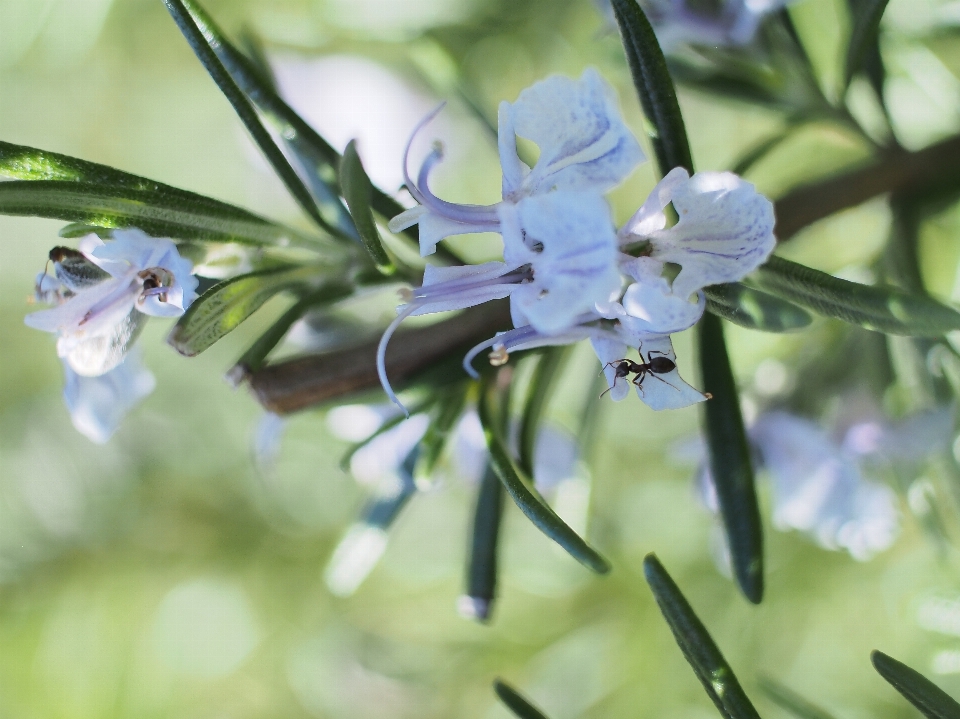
{"x": 661, "y": 379}
{"x": 615, "y": 364}
{"x": 609, "y": 388}
{"x": 657, "y": 352}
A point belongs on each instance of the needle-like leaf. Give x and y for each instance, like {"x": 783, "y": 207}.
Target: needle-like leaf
{"x": 884, "y": 309}
{"x": 918, "y": 690}
{"x": 528, "y": 499}
{"x": 730, "y": 460}
{"x": 516, "y": 702}
{"x": 697, "y": 645}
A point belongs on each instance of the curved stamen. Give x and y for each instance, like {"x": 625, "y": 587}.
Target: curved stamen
{"x": 505, "y": 339}
{"x": 421, "y": 191}
{"x": 411, "y": 187}
{"x": 382, "y": 354}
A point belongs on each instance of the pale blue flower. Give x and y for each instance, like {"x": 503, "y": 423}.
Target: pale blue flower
{"x": 560, "y": 254}
{"x": 611, "y": 341}
{"x": 106, "y": 292}
{"x": 97, "y": 405}
{"x": 724, "y": 230}
{"x": 819, "y": 485}
{"x": 584, "y": 147}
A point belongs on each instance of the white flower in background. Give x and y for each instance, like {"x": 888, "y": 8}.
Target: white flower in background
{"x": 717, "y": 23}
{"x": 820, "y": 484}
{"x": 724, "y": 229}
{"x": 97, "y": 405}
{"x": 103, "y": 294}
{"x": 584, "y": 147}
{"x": 107, "y": 290}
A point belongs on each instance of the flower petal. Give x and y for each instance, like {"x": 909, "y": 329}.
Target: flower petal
{"x": 584, "y": 143}
{"x": 651, "y": 307}
{"x": 608, "y": 351}
{"x": 575, "y": 267}
{"x": 665, "y": 390}
{"x": 819, "y": 488}
{"x": 725, "y": 231}
{"x": 97, "y": 405}
{"x": 651, "y": 217}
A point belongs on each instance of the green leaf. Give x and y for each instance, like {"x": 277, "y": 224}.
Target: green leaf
{"x": 357, "y": 191}
{"x": 157, "y": 212}
{"x": 730, "y": 460}
{"x": 542, "y": 383}
{"x": 316, "y": 158}
{"x": 760, "y": 150}
{"x": 884, "y": 309}
{"x": 422, "y": 406}
{"x": 255, "y": 357}
{"x": 755, "y": 310}
{"x": 516, "y": 702}
{"x": 204, "y": 38}
{"x": 791, "y": 701}
{"x": 654, "y": 86}
{"x": 485, "y": 537}
{"x": 918, "y": 690}
{"x": 697, "y": 645}
{"x": 866, "y": 24}
{"x": 528, "y": 499}
{"x": 450, "y": 402}
{"x": 224, "y": 306}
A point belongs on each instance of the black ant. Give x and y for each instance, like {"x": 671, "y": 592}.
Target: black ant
{"x": 652, "y": 366}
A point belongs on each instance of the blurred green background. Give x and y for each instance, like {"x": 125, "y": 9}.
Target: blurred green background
{"x": 164, "y": 575}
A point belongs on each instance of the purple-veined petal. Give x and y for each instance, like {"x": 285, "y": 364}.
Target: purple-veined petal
{"x": 571, "y": 245}
{"x": 583, "y": 141}
{"x": 724, "y": 231}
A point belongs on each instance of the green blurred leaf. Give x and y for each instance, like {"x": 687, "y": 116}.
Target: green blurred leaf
{"x": 730, "y": 460}
{"x": 204, "y": 38}
{"x": 916, "y": 688}
{"x": 516, "y": 702}
{"x": 484, "y": 540}
{"x": 755, "y": 310}
{"x": 760, "y": 150}
{"x": 422, "y": 406}
{"x": 357, "y": 191}
{"x": 449, "y": 407}
{"x": 884, "y": 309}
{"x": 160, "y": 213}
{"x": 528, "y": 499}
{"x": 866, "y": 16}
{"x": 542, "y": 384}
{"x": 697, "y": 645}
{"x": 791, "y": 701}
{"x": 654, "y": 86}
{"x": 227, "y": 304}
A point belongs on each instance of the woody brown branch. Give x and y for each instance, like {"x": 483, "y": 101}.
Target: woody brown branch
{"x": 303, "y": 382}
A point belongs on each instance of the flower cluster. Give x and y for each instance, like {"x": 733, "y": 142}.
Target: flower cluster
{"x": 823, "y": 482}
{"x": 103, "y": 293}
{"x": 568, "y": 273}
